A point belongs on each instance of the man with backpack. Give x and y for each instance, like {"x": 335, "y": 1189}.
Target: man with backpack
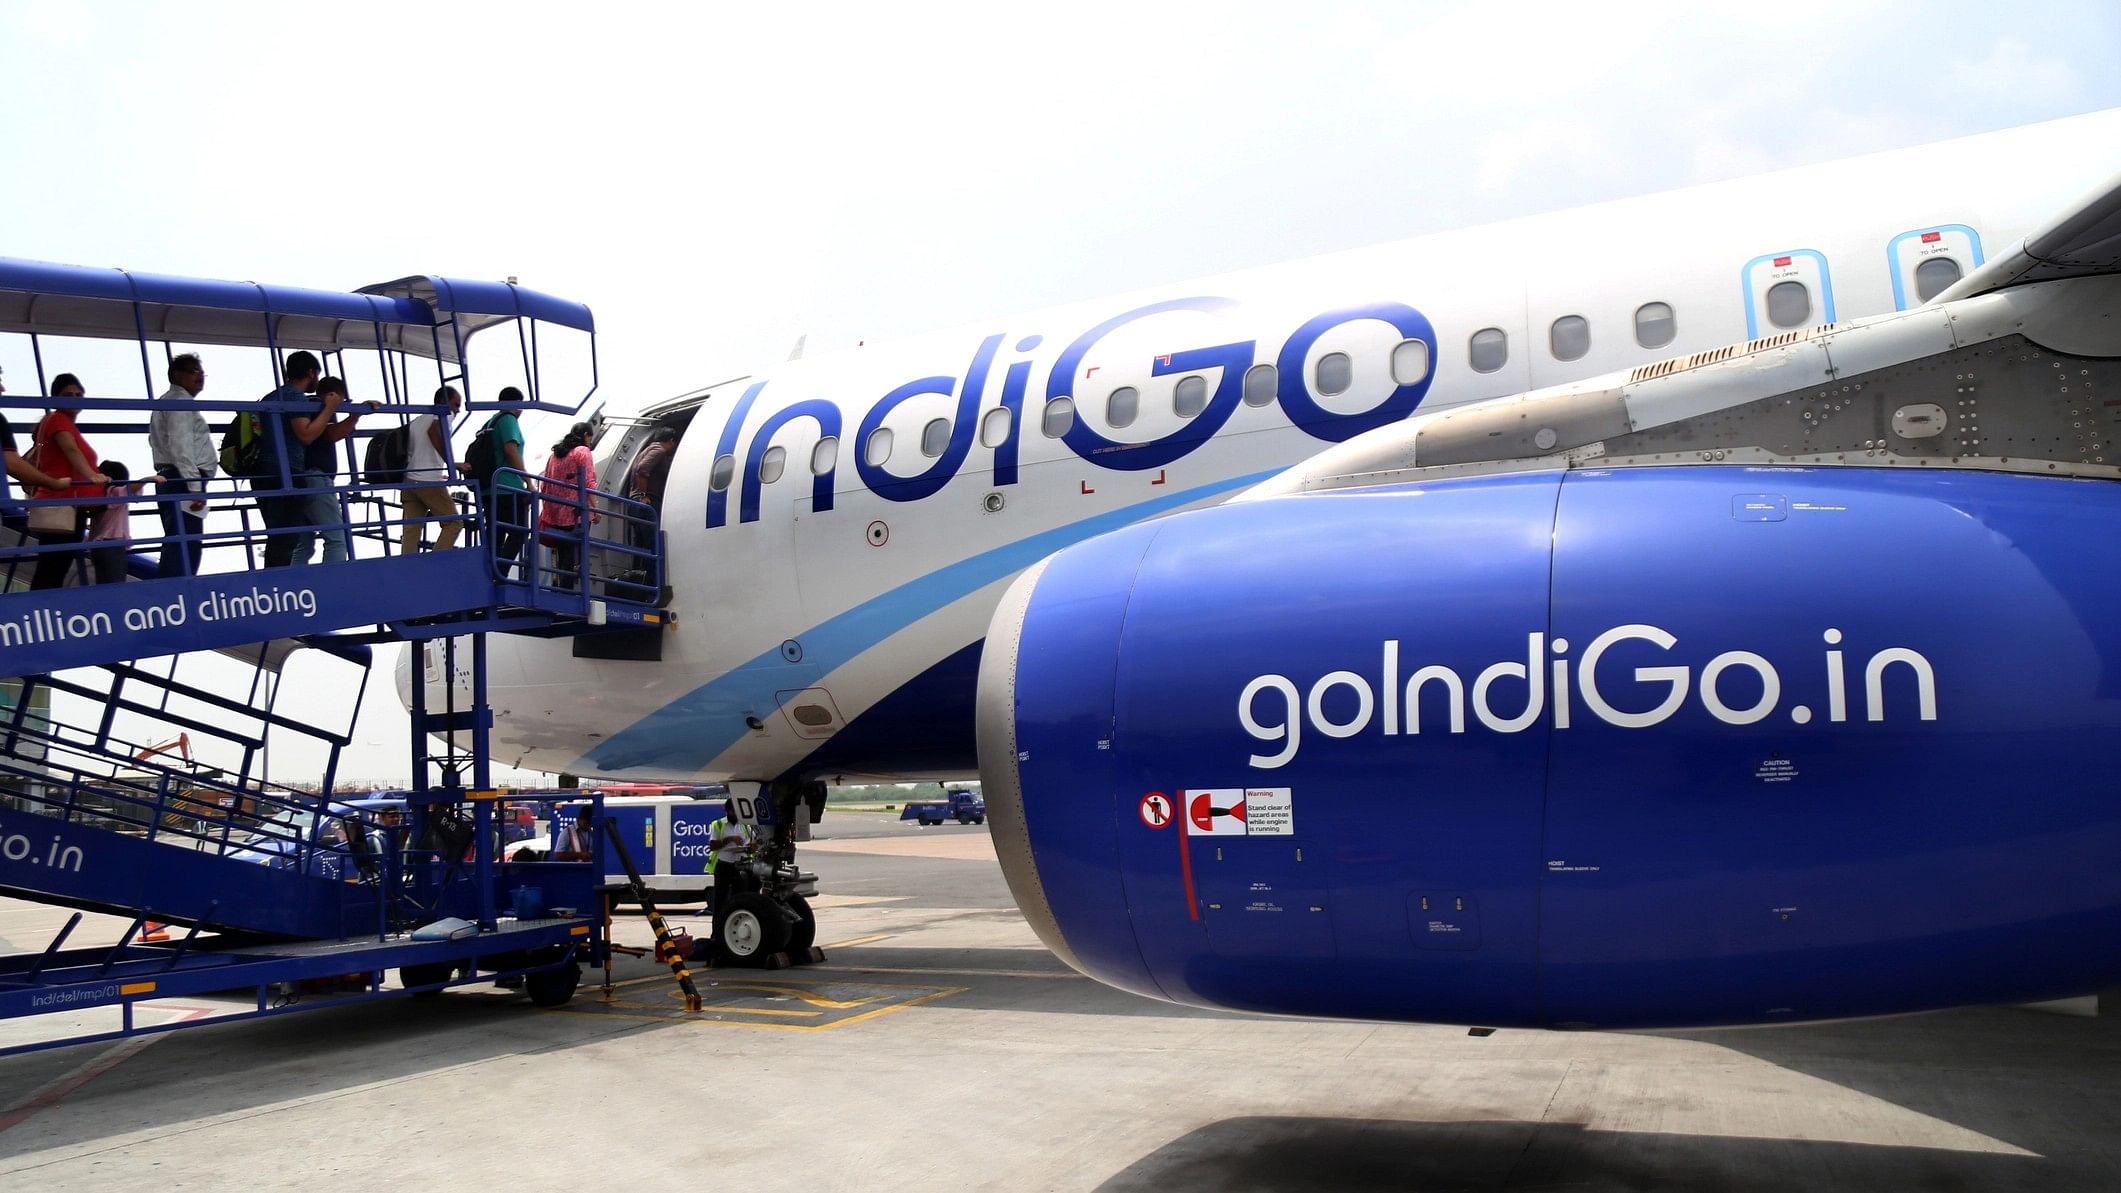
{"x": 308, "y": 437}
{"x": 505, "y": 496}
{"x": 259, "y": 459}
{"x": 426, "y": 465}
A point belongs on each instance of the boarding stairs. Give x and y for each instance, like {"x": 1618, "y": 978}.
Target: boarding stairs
{"x": 264, "y": 885}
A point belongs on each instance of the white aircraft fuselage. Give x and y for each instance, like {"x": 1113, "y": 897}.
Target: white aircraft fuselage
{"x": 840, "y": 529}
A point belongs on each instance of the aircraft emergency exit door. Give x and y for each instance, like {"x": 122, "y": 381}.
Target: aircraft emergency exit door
{"x": 1786, "y": 291}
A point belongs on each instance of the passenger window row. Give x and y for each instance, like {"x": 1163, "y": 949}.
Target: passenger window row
{"x": 1569, "y": 337}
{"x": 1788, "y": 305}
{"x": 1333, "y": 373}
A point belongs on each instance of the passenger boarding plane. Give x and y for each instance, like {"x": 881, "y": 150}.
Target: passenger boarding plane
{"x": 841, "y": 528}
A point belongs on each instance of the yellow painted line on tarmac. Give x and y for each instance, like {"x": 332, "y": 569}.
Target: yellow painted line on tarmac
{"x": 709, "y": 1017}
{"x": 804, "y": 996}
{"x": 848, "y": 944}
{"x": 897, "y": 1006}
{"x": 780, "y": 1012}
{"x": 952, "y": 973}
{"x": 815, "y": 1000}
{"x": 703, "y": 1021}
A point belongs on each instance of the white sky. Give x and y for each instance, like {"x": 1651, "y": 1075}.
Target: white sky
{"x": 715, "y": 183}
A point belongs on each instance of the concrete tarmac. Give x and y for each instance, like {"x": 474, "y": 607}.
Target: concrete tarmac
{"x": 940, "y": 1047}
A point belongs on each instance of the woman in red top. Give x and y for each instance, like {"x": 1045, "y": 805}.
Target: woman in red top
{"x": 558, "y": 519}
{"x": 65, "y": 454}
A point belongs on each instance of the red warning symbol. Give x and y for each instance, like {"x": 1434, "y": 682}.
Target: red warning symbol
{"x": 1218, "y": 812}
{"x": 1156, "y": 810}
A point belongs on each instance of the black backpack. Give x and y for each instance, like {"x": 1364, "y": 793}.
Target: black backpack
{"x": 387, "y": 455}
{"x": 483, "y": 458}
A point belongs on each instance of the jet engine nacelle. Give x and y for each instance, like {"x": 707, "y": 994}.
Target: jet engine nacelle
{"x": 1662, "y": 746}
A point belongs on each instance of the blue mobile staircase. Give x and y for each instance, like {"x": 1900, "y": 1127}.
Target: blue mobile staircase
{"x": 252, "y": 896}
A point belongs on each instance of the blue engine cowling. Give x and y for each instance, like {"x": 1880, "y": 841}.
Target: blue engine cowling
{"x": 1650, "y": 747}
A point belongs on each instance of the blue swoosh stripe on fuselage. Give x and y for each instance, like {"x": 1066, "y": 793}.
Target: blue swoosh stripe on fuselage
{"x": 692, "y": 730}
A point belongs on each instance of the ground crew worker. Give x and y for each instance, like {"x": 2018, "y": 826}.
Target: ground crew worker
{"x": 571, "y": 844}
{"x": 727, "y": 840}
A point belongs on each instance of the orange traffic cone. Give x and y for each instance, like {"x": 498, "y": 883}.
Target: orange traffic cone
{"x": 153, "y": 931}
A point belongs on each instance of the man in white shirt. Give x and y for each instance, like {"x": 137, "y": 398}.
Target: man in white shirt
{"x": 185, "y": 458}
{"x": 426, "y": 465}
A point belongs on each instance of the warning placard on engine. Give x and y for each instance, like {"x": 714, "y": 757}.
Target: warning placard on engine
{"x": 1268, "y": 812}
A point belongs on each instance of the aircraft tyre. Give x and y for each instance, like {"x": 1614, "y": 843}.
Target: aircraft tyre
{"x": 552, "y": 987}
{"x": 426, "y": 975}
{"x": 803, "y": 933}
{"x": 752, "y": 931}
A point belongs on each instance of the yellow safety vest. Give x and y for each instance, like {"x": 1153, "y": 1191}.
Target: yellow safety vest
{"x": 715, "y": 832}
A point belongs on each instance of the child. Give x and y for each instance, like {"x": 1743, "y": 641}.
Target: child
{"x": 110, "y": 530}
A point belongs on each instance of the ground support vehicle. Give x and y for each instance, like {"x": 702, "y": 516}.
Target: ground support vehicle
{"x": 961, "y": 806}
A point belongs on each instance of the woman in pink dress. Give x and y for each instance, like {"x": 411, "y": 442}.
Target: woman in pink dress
{"x": 570, "y": 474}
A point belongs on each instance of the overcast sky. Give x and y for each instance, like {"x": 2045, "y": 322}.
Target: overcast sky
{"x": 716, "y": 183}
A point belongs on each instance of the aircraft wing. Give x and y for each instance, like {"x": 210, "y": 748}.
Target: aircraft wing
{"x": 2082, "y": 241}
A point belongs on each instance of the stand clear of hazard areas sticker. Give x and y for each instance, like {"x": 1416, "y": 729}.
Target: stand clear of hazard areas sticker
{"x": 1239, "y": 812}
{"x": 1156, "y": 810}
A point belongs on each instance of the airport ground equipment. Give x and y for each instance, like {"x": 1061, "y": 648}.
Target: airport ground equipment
{"x": 668, "y": 836}
{"x": 774, "y": 926}
{"x": 282, "y": 896}
{"x": 961, "y": 806}
{"x": 668, "y": 947}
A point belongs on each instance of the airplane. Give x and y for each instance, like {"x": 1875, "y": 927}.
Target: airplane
{"x": 1774, "y": 682}
{"x": 835, "y": 628}
{"x": 841, "y": 526}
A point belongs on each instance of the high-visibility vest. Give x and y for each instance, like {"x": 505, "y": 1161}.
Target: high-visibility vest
{"x": 716, "y": 832}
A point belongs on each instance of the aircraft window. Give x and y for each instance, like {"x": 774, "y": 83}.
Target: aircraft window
{"x": 1654, "y": 325}
{"x": 1059, "y": 416}
{"x": 1410, "y": 362}
{"x": 1934, "y": 276}
{"x": 1569, "y": 338}
{"x": 1789, "y": 304}
{"x": 1261, "y": 382}
{"x": 1191, "y": 396}
{"x": 879, "y": 448}
{"x": 935, "y": 437}
{"x": 1333, "y": 373}
{"x": 994, "y": 429}
{"x": 772, "y": 464}
{"x": 724, "y": 472}
{"x": 825, "y": 456}
{"x": 1488, "y": 350}
{"x": 1121, "y": 407}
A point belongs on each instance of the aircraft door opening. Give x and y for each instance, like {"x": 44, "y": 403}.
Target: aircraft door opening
{"x": 1787, "y": 291}
{"x": 1927, "y": 260}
